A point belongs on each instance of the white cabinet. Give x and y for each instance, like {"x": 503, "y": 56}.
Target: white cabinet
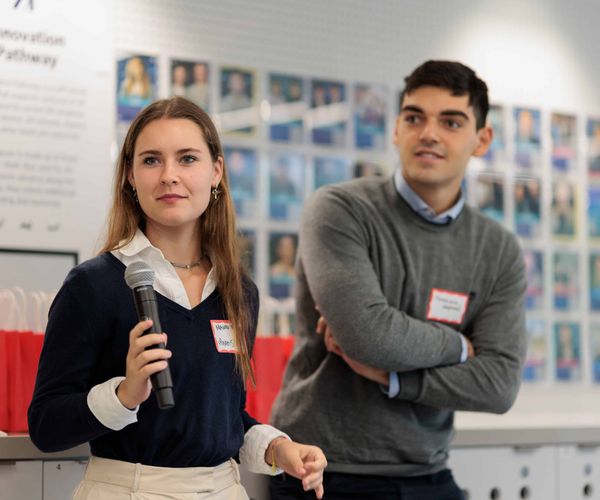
{"x": 20, "y": 480}
{"x": 503, "y": 473}
{"x": 579, "y": 472}
{"x": 549, "y": 472}
{"x": 61, "y": 478}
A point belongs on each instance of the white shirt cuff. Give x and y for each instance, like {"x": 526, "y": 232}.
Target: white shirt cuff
{"x": 464, "y": 351}
{"x": 256, "y": 442}
{"x": 394, "y": 387}
{"x": 103, "y": 402}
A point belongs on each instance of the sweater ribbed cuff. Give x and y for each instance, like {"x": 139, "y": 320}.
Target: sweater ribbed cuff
{"x": 410, "y": 386}
{"x": 454, "y": 350}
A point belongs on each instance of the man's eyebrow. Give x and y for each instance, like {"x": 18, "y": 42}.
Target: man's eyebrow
{"x": 411, "y": 108}
{"x": 448, "y": 112}
{"x": 455, "y": 112}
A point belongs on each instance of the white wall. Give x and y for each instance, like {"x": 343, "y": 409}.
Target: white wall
{"x": 537, "y": 53}
{"x": 534, "y": 51}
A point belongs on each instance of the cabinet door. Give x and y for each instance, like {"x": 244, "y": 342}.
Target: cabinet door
{"x": 579, "y": 472}
{"x": 61, "y": 478}
{"x": 20, "y": 480}
{"x": 505, "y": 472}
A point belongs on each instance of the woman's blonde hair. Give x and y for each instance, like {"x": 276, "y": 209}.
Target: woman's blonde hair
{"x": 137, "y": 75}
{"x": 217, "y": 223}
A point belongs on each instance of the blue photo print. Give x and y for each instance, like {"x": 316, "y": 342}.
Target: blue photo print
{"x": 528, "y": 143}
{"x": 567, "y": 351}
{"x": 286, "y": 185}
{"x": 136, "y": 85}
{"x": 242, "y": 169}
{"x": 328, "y": 116}
{"x": 370, "y": 124}
{"x": 330, "y": 170}
{"x": 287, "y": 108}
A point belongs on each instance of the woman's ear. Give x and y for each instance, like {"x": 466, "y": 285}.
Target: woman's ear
{"x": 218, "y": 167}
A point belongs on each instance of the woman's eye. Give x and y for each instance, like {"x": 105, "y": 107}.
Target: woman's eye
{"x": 187, "y": 159}
{"x": 150, "y": 160}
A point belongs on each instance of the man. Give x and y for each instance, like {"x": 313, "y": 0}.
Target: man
{"x": 420, "y": 299}
{"x": 236, "y": 96}
{"x": 197, "y": 92}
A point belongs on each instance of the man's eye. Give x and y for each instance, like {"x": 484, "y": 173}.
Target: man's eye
{"x": 412, "y": 119}
{"x": 452, "y": 124}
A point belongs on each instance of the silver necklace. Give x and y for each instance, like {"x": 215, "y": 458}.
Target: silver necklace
{"x": 187, "y": 266}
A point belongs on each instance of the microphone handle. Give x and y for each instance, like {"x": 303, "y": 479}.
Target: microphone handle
{"x": 147, "y": 308}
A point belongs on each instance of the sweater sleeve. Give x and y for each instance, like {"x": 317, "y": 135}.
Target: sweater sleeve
{"x": 59, "y": 415}
{"x": 334, "y": 257}
{"x": 490, "y": 380}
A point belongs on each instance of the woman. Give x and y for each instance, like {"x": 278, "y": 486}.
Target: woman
{"x": 136, "y": 82}
{"x": 172, "y": 209}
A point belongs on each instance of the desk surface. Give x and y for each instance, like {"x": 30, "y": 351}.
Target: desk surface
{"x": 471, "y": 432}
{"x": 541, "y": 416}
{"x": 20, "y": 447}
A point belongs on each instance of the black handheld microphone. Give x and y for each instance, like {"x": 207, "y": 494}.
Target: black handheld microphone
{"x": 140, "y": 278}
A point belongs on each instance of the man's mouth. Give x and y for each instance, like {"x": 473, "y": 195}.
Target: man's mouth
{"x": 428, "y": 154}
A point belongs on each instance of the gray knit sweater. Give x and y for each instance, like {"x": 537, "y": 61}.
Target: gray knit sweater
{"x": 370, "y": 263}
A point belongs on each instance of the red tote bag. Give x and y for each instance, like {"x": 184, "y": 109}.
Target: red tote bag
{"x": 24, "y": 350}
{"x": 3, "y": 382}
{"x": 270, "y": 357}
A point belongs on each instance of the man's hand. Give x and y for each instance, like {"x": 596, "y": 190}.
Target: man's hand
{"x": 470, "y": 349}
{"x": 374, "y": 374}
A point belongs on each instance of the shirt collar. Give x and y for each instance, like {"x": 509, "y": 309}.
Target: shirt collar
{"x": 423, "y": 209}
{"x": 138, "y": 244}
{"x": 166, "y": 282}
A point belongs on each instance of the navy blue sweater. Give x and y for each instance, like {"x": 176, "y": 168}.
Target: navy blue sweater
{"x": 86, "y": 343}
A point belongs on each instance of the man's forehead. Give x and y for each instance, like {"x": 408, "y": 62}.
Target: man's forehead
{"x": 436, "y": 100}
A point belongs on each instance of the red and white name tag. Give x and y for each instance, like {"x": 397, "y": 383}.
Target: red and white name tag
{"x": 446, "y": 306}
{"x": 223, "y": 333}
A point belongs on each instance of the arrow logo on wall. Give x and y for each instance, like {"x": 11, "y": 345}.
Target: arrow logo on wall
{"x": 18, "y": 2}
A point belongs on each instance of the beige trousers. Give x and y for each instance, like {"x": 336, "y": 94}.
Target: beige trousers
{"x": 115, "y": 480}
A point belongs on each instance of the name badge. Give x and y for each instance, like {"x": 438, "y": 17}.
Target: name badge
{"x": 446, "y": 306}
{"x": 223, "y": 333}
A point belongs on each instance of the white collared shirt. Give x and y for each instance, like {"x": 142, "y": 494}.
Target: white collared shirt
{"x": 102, "y": 399}
{"x": 166, "y": 280}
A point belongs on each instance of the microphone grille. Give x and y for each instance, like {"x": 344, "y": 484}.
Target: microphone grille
{"x": 139, "y": 273}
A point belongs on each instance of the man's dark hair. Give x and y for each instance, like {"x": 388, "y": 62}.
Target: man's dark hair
{"x": 454, "y": 76}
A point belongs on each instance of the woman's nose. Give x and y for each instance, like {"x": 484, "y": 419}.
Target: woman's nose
{"x": 169, "y": 175}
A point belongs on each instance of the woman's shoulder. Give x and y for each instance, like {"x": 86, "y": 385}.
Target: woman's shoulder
{"x": 96, "y": 271}
{"x": 250, "y": 288}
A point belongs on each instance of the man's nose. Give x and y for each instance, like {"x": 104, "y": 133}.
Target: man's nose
{"x": 429, "y": 132}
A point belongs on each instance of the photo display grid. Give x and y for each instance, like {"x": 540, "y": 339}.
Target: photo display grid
{"x": 286, "y": 135}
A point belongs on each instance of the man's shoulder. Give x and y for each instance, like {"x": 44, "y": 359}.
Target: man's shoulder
{"x": 361, "y": 190}
{"x": 490, "y": 232}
